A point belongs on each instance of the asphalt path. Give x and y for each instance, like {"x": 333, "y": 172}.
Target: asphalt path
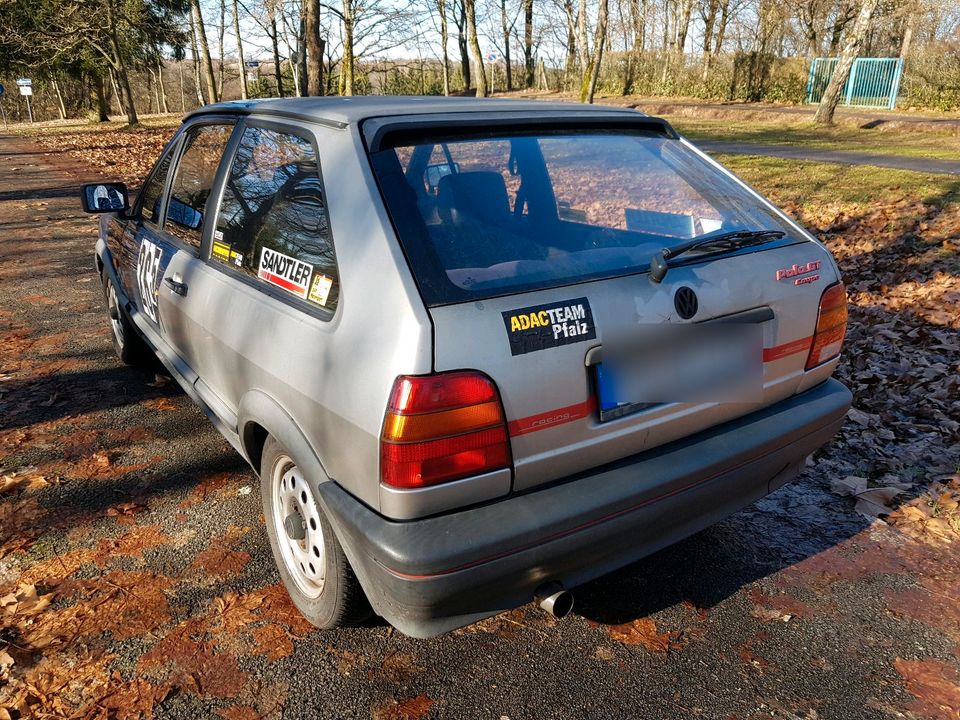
{"x": 793, "y": 152}
{"x": 794, "y": 608}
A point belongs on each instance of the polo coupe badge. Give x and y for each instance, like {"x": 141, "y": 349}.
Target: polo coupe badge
{"x": 801, "y": 274}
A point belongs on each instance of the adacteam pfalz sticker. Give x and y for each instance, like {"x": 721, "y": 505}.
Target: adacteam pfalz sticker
{"x": 540, "y": 327}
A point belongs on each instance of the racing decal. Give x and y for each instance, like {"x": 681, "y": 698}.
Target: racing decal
{"x": 221, "y": 251}
{"x": 552, "y": 325}
{"x": 801, "y": 273}
{"x": 285, "y": 272}
{"x": 320, "y": 289}
{"x": 148, "y": 277}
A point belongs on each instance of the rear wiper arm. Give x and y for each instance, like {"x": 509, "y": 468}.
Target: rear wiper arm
{"x": 732, "y": 240}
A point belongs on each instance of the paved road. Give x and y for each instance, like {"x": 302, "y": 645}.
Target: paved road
{"x": 792, "y": 152}
{"x": 144, "y": 528}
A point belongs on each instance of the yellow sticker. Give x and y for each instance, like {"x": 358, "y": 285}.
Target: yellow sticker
{"x": 221, "y": 251}
{"x": 320, "y": 289}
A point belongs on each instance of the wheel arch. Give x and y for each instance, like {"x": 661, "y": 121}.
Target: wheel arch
{"x": 260, "y": 416}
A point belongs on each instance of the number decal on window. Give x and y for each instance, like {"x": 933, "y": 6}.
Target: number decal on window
{"x": 148, "y": 277}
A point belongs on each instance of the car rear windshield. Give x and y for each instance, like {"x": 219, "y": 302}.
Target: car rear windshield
{"x": 496, "y": 215}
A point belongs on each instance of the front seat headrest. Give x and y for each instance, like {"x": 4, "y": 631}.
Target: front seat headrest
{"x": 478, "y": 196}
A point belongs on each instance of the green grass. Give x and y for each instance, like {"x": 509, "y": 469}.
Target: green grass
{"x": 785, "y": 130}
{"x": 806, "y": 183}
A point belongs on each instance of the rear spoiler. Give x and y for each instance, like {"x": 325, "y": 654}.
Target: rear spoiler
{"x": 384, "y": 133}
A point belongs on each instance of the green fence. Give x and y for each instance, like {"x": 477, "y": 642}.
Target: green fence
{"x": 873, "y": 82}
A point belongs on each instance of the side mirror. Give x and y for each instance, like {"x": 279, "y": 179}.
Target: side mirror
{"x": 105, "y": 198}
{"x": 437, "y": 171}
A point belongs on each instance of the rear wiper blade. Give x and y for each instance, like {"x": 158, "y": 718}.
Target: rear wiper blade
{"x": 733, "y": 240}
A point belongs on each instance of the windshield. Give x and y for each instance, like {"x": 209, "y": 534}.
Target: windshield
{"x": 490, "y": 216}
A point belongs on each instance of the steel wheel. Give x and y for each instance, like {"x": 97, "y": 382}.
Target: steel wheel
{"x": 301, "y": 539}
{"x": 113, "y": 307}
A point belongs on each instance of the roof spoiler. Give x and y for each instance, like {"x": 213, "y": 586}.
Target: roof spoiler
{"x": 402, "y": 130}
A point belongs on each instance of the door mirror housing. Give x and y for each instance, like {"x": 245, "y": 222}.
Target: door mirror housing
{"x": 105, "y": 198}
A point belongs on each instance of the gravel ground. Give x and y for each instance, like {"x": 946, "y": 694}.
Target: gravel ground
{"x": 140, "y": 531}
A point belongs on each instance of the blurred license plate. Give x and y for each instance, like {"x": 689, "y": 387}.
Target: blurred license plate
{"x": 681, "y": 364}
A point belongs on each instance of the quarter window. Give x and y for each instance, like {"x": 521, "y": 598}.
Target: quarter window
{"x": 273, "y": 222}
{"x": 202, "y": 151}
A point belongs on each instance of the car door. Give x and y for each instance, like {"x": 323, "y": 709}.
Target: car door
{"x": 170, "y": 253}
{"x": 270, "y": 273}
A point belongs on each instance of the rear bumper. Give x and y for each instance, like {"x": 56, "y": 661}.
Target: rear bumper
{"x": 429, "y": 576}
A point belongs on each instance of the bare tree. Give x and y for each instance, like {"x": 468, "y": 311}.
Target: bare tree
{"x": 528, "y": 61}
{"x": 851, "y": 49}
{"x": 441, "y": 6}
{"x": 241, "y": 65}
{"x": 204, "y": 50}
{"x": 481, "y": 74}
{"x": 592, "y": 69}
{"x": 314, "y": 46}
{"x": 346, "y": 62}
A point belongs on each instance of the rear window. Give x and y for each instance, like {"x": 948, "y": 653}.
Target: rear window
{"x": 500, "y": 215}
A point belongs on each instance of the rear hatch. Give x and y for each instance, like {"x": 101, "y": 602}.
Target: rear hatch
{"x": 531, "y": 244}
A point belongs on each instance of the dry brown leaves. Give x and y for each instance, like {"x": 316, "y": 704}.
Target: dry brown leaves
{"x": 643, "y": 631}
{"x": 934, "y": 516}
{"x": 409, "y": 709}
{"x": 935, "y": 684}
{"x": 125, "y": 155}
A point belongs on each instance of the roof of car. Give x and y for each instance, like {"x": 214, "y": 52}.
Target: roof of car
{"x": 347, "y": 110}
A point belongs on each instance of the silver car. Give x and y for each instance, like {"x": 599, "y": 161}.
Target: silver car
{"x": 479, "y": 352}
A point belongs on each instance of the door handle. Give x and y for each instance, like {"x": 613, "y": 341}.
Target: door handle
{"x": 178, "y": 287}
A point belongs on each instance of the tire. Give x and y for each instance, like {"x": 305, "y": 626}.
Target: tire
{"x": 314, "y": 568}
{"x": 127, "y": 343}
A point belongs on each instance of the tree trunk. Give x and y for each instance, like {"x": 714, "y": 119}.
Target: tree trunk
{"x": 460, "y": 20}
{"x": 241, "y": 66}
{"x": 314, "y": 45}
{"x": 831, "y": 96}
{"x": 528, "y": 61}
{"x": 275, "y": 42}
{"x": 474, "y": 40}
{"x": 61, "y": 108}
{"x": 155, "y": 99}
{"x": 120, "y": 66}
{"x": 196, "y": 61}
{"x": 505, "y": 28}
{"x": 204, "y": 51}
{"x": 592, "y": 71}
{"x": 709, "y": 21}
{"x": 103, "y": 111}
{"x": 907, "y": 35}
{"x": 583, "y": 49}
{"x": 163, "y": 91}
{"x": 347, "y": 63}
{"x": 301, "y": 68}
{"x": 570, "y": 62}
{"x": 220, "y": 33}
{"x": 442, "y": 12}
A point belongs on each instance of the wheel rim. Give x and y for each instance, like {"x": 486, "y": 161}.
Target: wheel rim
{"x": 113, "y": 307}
{"x": 299, "y": 532}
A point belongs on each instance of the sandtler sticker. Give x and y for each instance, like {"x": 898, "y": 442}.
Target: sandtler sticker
{"x": 285, "y": 272}
{"x": 545, "y": 326}
{"x": 320, "y": 289}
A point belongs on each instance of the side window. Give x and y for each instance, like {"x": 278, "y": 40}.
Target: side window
{"x": 152, "y": 192}
{"x": 202, "y": 150}
{"x": 273, "y": 222}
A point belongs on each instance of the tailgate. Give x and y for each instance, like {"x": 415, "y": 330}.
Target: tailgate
{"x": 549, "y": 389}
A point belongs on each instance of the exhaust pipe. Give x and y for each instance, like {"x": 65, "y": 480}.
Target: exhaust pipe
{"x": 554, "y": 599}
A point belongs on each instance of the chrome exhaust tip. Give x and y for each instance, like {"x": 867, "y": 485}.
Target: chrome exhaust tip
{"x": 554, "y": 600}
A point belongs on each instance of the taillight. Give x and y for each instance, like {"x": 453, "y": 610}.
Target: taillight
{"x": 442, "y": 427}
{"x": 831, "y": 326}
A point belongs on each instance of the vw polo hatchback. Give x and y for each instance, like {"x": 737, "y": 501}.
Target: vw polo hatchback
{"x": 479, "y": 352}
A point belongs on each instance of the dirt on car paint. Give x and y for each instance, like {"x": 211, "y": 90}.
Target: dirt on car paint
{"x": 136, "y": 580}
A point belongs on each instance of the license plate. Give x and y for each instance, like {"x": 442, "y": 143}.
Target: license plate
{"x": 612, "y": 405}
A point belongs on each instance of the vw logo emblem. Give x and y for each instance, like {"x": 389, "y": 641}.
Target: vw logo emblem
{"x": 686, "y": 303}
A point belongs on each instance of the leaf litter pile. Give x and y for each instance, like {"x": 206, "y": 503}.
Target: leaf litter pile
{"x": 117, "y": 602}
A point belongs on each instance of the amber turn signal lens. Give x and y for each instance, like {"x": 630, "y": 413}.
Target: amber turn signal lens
{"x": 831, "y": 326}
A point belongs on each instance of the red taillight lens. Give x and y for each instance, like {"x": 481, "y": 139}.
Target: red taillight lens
{"x": 831, "y": 326}
{"x": 440, "y": 428}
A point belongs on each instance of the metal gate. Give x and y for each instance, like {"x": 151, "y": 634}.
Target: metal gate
{"x": 873, "y": 82}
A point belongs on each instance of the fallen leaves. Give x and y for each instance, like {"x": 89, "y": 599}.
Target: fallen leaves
{"x": 933, "y": 517}
{"x": 935, "y": 684}
{"x": 409, "y": 709}
{"x": 643, "y": 631}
